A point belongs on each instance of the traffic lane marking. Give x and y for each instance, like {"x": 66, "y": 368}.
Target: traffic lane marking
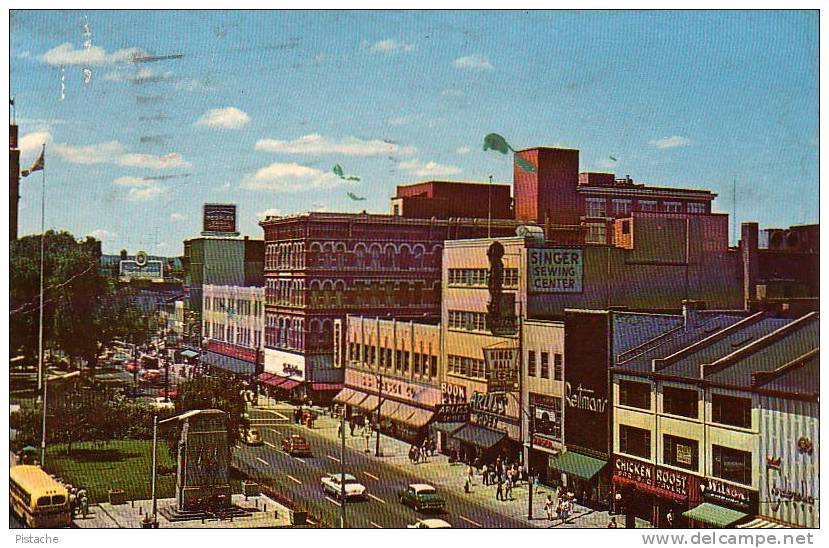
{"x": 335, "y": 459}
{"x": 269, "y": 444}
{"x": 378, "y": 499}
{"x": 466, "y": 519}
{"x": 375, "y": 525}
{"x": 293, "y": 479}
{"x": 263, "y": 461}
{"x": 371, "y": 475}
{"x": 332, "y": 500}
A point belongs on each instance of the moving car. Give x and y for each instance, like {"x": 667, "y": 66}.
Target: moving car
{"x": 252, "y": 438}
{"x": 332, "y": 485}
{"x": 296, "y": 445}
{"x": 171, "y": 393}
{"x": 151, "y": 375}
{"x": 422, "y": 496}
{"x": 430, "y": 524}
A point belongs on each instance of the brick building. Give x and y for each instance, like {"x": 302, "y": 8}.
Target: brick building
{"x": 321, "y": 266}
{"x": 445, "y": 199}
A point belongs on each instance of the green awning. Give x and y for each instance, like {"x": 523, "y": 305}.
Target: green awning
{"x": 576, "y": 464}
{"x": 189, "y": 354}
{"x": 712, "y": 514}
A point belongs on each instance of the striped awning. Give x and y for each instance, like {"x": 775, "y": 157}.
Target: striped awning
{"x": 368, "y": 405}
{"x": 713, "y": 514}
{"x": 288, "y": 384}
{"x": 348, "y": 396}
{"x": 264, "y": 377}
{"x": 326, "y": 386}
{"x": 388, "y": 409}
{"x": 762, "y": 523}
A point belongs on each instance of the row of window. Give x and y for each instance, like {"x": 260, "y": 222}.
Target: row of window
{"x": 286, "y": 256}
{"x": 728, "y": 410}
{"x": 243, "y": 336}
{"x": 422, "y": 363}
{"x": 467, "y": 367}
{"x": 598, "y": 207}
{"x": 239, "y": 307}
{"x": 467, "y": 321}
{"x": 479, "y": 277}
{"x": 294, "y": 293}
{"x": 727, "y": 463}
{"x": 544, "y": 369}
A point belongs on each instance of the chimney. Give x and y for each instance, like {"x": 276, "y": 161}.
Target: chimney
{"x": 690, "y": 313}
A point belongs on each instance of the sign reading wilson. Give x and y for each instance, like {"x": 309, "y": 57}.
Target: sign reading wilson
{"x": 555, "y": 270}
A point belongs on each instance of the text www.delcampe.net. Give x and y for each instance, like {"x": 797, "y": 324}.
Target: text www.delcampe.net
{"x": 740, "y": 539}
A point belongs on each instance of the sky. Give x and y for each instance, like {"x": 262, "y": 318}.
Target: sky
{"x": 148, "y": 115}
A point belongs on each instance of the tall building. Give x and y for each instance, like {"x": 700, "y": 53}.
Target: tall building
{"x": 233, "y": 328}
{"x": 319, "y": 267}
{"x": 558, "y": 193}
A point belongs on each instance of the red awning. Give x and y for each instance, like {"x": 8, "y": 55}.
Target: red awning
{"x": 326, "y": 386}
{"x": 265, "y": 377}
{"x": 289, "y": 384}
{"x": 650, "y": 489}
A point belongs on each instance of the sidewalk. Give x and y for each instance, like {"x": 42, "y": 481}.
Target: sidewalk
{"x": 452, "y": 477}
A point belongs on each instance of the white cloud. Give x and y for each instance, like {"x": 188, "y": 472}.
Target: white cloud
{"x": 391, "y": 45}
{"x": 671, "y": 142}
{"x": 145, "y": 194}
{"x": 348, "y": 146}
{"x": 463, "y": 150}
{"x": 66, "y": 54}
{"x": 271, "y": 212}
{"x": 101, "y": 234}
{"x": 114, "y": 153}
{"x": 429, "y": 169}
{"x": 177, "y": 217}
{"x": 225, "y": 118}
{"x": 132, "y": 182}
{"x": 293, "y": 177}
{"x": 31, "y": 143}
{"x": 473, "y": 62}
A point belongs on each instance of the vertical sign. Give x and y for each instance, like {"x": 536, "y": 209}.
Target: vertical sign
{"x": 501, "y": 369}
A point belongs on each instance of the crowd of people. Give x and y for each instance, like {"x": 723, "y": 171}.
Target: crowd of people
{"x": 422, "y": 452}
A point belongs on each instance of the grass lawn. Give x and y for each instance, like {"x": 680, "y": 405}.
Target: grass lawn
{"x": 123, "y": 464}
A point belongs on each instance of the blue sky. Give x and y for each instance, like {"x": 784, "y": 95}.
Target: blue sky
{"x": 261, "y": 105}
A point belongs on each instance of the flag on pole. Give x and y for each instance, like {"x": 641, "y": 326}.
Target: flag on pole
{"x": 37, "y": 166}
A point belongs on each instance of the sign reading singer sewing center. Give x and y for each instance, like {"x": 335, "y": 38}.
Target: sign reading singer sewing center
{"x": 555, "y": 270}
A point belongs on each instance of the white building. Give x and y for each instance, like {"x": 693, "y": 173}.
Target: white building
{"x": 233, "y": 323}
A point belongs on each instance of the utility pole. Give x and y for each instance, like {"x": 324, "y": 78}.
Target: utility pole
{"x": 342, "y": 467}
{"x": 379, "y": 405}
{"x": 155, "y": 467}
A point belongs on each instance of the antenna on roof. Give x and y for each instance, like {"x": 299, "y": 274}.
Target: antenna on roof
{"x": 734, "y": 208}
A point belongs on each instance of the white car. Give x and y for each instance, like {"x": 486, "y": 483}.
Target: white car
{"x": 432, "y": 523}
{"x": 332, "y": 485}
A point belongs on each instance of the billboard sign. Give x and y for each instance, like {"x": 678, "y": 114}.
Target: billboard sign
{"x": 547, "y": 420}
{"x": 558, "y": 270}
{"x": 502, "y": 366}
{"x": 219, "y": 219}
{"x": 141, "y": 269}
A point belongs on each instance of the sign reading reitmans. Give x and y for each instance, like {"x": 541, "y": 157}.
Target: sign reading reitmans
{"x": 555, "y": 270}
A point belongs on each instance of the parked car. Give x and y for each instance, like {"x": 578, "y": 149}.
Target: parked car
{"x": 133, "y": 367}
{"x": 151, "y": 375}
{"x": 422, "y": 496}
{"x": 433, "y": 523}
{"x": 296, "y": 445}
{"x": 162, "y": 403}
{"x": 172, "y": 393}
{"x": 332, "y": 485}
{"x": 253, "y": 437}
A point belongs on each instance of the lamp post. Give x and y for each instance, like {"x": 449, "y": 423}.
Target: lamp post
{"x": 342, "y": 467}
{"x": 379, "y": 405}
{"x": 155, "y": 467}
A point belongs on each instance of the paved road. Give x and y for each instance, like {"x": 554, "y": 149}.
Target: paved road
{"x": 299, "y": 479}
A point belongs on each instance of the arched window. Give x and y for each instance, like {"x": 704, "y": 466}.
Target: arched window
{"x": 418, "y": 251}
{"x": 360, "y": 255}
{"x": 405, "y": 257}
{"x": 388, "y": 256}
{"x": 314, "y": 255}
{"x": 328, "y": 255}
{"x": 374, "y": 253}
{"x": 339, "y": 255}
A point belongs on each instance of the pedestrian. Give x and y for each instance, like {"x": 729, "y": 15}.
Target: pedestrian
{"x": 340, "y": 430}
{"x": 424, "y": 453}
{"x": 560, "y": 509}
{"x": 499, "y": 492}
{"x": 521, "y": 473}
{"x": 484, "y": 475}
{"x": 612, "y": 523}
{"x": 351, "y": 425}
{"x": 548, "y": 507}
{"x": 670, "y": 518}
{"x": 469, "y": 473}
{"x": 508, "y": 489}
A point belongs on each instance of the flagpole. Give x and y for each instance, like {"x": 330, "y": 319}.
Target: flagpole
{"x": 41, "y": 378}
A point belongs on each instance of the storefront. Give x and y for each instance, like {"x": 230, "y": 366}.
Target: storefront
{"x": 580, "y": 474}
{"x": 724, "y": 504}
{"x": 405, "y": 408}
{"x": 652, "y": 493}
{"x": 491, "y": 433}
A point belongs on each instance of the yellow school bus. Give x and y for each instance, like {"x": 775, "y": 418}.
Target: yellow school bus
{"x": 37, "y": 499}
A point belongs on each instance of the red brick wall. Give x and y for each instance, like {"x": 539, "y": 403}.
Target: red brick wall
{"x": 551, "y": 191}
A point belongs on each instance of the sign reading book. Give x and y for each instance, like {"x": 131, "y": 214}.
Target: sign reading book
{"x": 555, "y": 270}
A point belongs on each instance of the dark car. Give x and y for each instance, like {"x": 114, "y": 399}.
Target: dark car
{"x": 296, "y": 445}
{"x": 422, "y": 496}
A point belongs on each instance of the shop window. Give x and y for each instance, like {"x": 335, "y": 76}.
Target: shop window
{"x": 635, "y": 394}
{"x": 635, "y": 441}
{"x": 731, "y": 410}
{"x": 680, "y": 452}
{"x": 731, "y": 464}
{"x": 531, "y": 363}
{"x": 680, "y": 401}
{"x": 545, "y": 365}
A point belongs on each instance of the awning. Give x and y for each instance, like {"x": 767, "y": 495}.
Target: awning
{"x": 389, "y": 409}
{"x": 479, "y": 436}
{"x": 265, "y": 377}
{"x": 408, "y": 414}
{"x": 347, "y": 395}
{"x": 419, "y": 418}
{"x": 326, "y": 386}
{"x": 289, "y": 384}
{"x": 715, "y": 515}
{"x": 576, "y": 464}
{"x": 448, "y": 427}
{"x": 762, "y": 523}
{"x": 367, "y": 405}
{"x": 189, "y": 354}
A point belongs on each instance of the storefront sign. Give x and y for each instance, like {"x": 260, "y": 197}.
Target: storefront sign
{"x": 452, "y": 393}
{"x": 452, "y": 412}
{"x": 640, "y": 472}
{"x": 719, "y": 491}
{"x": 368, "y": 382}
{"x": 555, "y": 270}
{"x": 648, "y": 474}
{"x": 671, "y": 480}
{"x": 292, "y": 370}
{"x": 488, "y": 409}
{"x": 227, "y": 349}
{"x": 584, "y": 399}
{"x": 547, "y": 419}
{"x": 502, "y": 366}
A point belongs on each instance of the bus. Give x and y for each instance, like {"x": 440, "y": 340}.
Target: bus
{"x": 38, "y": 499}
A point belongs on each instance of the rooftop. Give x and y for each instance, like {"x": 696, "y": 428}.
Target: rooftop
{"x": 442, "y": 182}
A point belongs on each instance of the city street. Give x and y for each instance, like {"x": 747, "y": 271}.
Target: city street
{"x": 299, "y": 479}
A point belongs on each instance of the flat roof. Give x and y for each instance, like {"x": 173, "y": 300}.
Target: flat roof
{"x": 442, "y": 182}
